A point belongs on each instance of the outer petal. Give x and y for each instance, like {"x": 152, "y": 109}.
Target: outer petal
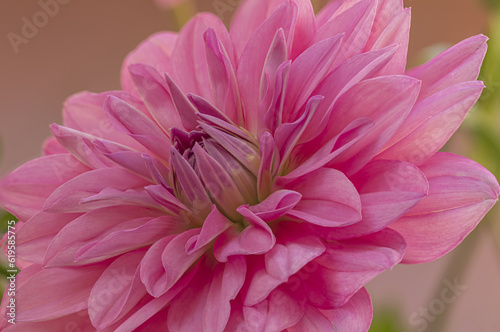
{"x": 346, "y": 266}
{"x": 355, "y": 19}
{"x": 68, "y": 196}
{"x": 397, "y": 32}
{"x": 461, "y": 63}
{"x": 85, "y": 112}
{"x": 64, "y": 291}
{"x": 24, "y": 191}
{"x": 388, "y": 189}
{"x": 79, "y": 321}
{"x": 341, "y": 79}
{"x": 129, "y": 120}
{"x": 34, "y": 237}
{"x": 188, "y": 58}
{"x": 355, "y": 315}
{"x": 461, "y": 193}
{"x": 252, "y": 13}
{"x": 155, "y": 51}
{"x": 278, "y": 312}
{"x": 116, "y": 291}
{"x": 431, "y": 123}
{"x": 387, "y": 11}
{"x": 251, "y": 65}
{"x": 153, "y": 89}
{"x": 108, "y": 226}
{"x": 387, "y": 100}
{"x": 313, "y": 320}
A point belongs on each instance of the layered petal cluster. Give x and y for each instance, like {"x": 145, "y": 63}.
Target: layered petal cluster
{"x": 250, "y": 180}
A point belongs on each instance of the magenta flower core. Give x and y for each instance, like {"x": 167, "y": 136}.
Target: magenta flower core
{"x": 250, "y": 180}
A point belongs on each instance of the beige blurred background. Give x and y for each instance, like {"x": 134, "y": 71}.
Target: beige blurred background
{"x": 81, "y": 48}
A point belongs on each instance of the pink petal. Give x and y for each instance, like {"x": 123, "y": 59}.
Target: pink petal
{"x": 270, "y": 80}
{"x": 155, "y": 305}
{"x": 79, "y": 321}
{"x": 277, "y": 313}
{"x": 65, "y": 291}
{"x": 386, "y": 100}
{"x": 242, "y": 150}
{"x": 355, "y": 19}
{"x": 461, "y": 63}
{"x": 34, "y": 237}
{"x": 214, "y": 225}
{"x": 68, "y": 196}
{"x": 355, "y": 315}
{"x": 327, "y": 152}
{"x": 185, "y": 109}
{"x": 189, "y": 72}
{"x": 112, "y": 197}
{"x": 431, "y": 123}
{"x": 276, "y": 205}
{"x": 461, "y": 193}
{"x": 218, "y": 182}
{"x": 285, "y": 259}
{"x": 152, "y": 270}
{"x": 52, "y": 146}
{"x": 85, "y": 112}
{"x": 252, "y": 59}
{"x": 189, "y": 188}
{"x": 116, "y": 291}
{"x": 122, "y": 241}
{"x": 307, "y": 71}
{"x": 80, "y": 145}
{"x": 24, "y": 191}
{"x": 313, "y": 320}
{"x": 223, "y": 77}
{"x": 91, "y": 228}
{"x": 257, "y": 238}
{"x": 175, "y": 258}
{"x": 269, "y": 157}
{"x": 288, "y": 134}
{"x": 346, "y": 266}
{"x": 154, "y": 91}
{"x": 388, "y": 189}
{"x": 397, "y": 32}
{"x": 327, "y": 12}
{"x": 165, "y": 198}
{"x": 387, "y": 12}
{"x": 186, "y": 310}
{"x": 323, "y": 191}
{"x": 129, "y": 120}
{"x": 227, "y": 281}
{"x": 155, "y": 51}
{"x": 251, "y": 15}
{"x": 341, "y": 79}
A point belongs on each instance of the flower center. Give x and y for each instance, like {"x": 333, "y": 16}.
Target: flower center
{"x": 214, "y": 165}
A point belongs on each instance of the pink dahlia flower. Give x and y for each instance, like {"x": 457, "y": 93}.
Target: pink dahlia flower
{"x": 251, "y": 180}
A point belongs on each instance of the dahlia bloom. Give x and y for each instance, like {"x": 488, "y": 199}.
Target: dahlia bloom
{"x": 251, "y": 180}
